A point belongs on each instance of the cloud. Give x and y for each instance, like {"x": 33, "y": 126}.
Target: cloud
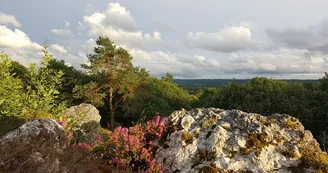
{"x": 9, "y": 19}
{"x": 67, "y": 24}
{"x": 284, "y": 61}
{"x": 117, "y": 23}
{"x": 227, "y": 39}
{"x": 62, "y": 32}
{"x": 313, "y": 37}
{"x": 140, "y": 55}
{"x": 58, "y": 48}
{"x": 180, "y": 65}
{"x": 15, "y": 39}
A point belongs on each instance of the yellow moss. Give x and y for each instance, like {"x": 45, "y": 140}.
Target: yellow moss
{"x": 269, "y": 122}
{"x": 316, "y": 159}
{"x": 209, "y": 169}
{"x": 185, "y": 136}
{"x": 255, "y": 142}
{"x": 210, "y": 121}
{"x": 245, "y": 151}
{"x": 291, "y": 124}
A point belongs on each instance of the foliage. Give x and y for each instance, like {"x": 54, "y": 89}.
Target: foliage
{"x": 157, "y": 96}
{"x": 69, "y": 80}
{"x": 115, "y": 76}
{"x": 12, "y": 94}
{"x": 168, "y": 77}
{"x": 31, "y": 92}
{"x": 41, "y": 88}
{"x": 131, "y": 147}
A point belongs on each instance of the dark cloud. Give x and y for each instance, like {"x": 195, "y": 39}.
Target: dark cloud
{"x": 313, "y": 38}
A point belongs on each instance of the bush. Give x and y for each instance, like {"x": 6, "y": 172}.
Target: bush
{"x": 130, "y": 149}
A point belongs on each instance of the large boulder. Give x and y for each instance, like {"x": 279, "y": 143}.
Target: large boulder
{"x": 32, "y": 147}
{"x": 40, "y": 146}
{"x": 83, "y": 114}
{"x": 216, "y": 140}
{"x": 85, "y": 121}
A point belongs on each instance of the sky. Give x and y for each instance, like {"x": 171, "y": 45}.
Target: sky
{"x": 282, "y": 39}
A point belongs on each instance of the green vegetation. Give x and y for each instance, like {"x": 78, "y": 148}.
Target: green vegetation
{"x": 30, "y": 92}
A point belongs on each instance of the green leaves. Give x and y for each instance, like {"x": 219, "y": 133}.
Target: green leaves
{"x": 115, "y": 77}
{"x": 154, "y": 95}
{"x": 11, "y": 89}
{"x": 38, "y": 93}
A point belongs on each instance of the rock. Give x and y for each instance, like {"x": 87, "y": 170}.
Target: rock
{"x": 40, "y": 146}
{"x": 231, "y": 140}
{"x": 33, "y": 147}
{"x": 86, "y": 122}
{"x": 83, "y": 114}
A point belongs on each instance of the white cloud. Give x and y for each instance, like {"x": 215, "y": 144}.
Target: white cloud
{"x": 16, "y": 39}
{"x": 180, "y": 65}
{"x": 58, "y": 48}
{"x": 284, "y": 61}
{"x": 9, "y": 19}
{"x": 227, "y": 39}
{"x": 67, "y": 24}
{"x": 140, "y": 55}
{"x": 117, "y": 23}
{"x": 62, "y": 32}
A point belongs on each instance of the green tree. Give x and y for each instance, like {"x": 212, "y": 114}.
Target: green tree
{"x": 71, "y": 78}
{"x": 12, "y": 94}
{"x": 157, "y": 96}
{"x": 168, "y": 77}
{"x": 42, "y": 93}
{"x": 115, "y": 77}
{"x": 36, "y": 95}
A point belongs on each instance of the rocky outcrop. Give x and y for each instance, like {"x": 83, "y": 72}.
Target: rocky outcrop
{"x": 85, "y": 121}
{"x": 33, "y": 147}
{"x": 40, "y": 146}
{"x": 216, "y": 140}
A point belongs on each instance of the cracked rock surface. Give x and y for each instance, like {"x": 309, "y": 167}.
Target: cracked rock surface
{"x": 207, "y": 139}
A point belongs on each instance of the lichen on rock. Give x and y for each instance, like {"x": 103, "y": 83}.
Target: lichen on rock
{"x": 85, "y": 121}
{"x": 234, "y": 141}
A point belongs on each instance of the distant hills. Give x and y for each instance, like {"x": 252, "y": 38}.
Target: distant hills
{"x": 192, "y": 84}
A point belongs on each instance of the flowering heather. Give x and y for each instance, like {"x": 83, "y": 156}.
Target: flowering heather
{"x": 131, "y": 149}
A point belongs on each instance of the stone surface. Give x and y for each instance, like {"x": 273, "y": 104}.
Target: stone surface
{"x": 40, "y": 146}
{"x": 85, "y": 119}
{"x": 33, "y": 147}
{"x": 83, "y": 114}
{"x": 203, "y": 139}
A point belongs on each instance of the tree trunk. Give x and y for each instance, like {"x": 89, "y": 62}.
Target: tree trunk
{"x": 111, "y": 110}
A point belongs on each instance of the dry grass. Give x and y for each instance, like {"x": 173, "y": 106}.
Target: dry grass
{"x": 43, "y": 156}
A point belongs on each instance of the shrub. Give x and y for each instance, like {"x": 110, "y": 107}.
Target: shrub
{"x": 131, "y": 148}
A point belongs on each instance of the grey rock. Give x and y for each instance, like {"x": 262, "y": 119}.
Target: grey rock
{"x": 33, "y": 147}
{"x": 233, "y": 140}
{"x": 86, "y": 122}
